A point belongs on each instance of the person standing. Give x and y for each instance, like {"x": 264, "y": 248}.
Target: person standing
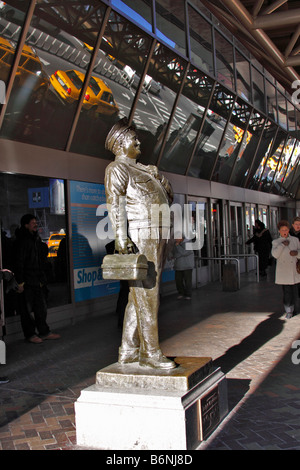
{"x": 30, "y": 255}
{"x": 286, "y": 251}
{"x": 262, "y": 245}
{"x": 295, "y": 228}
{"x": 183, "y": 266}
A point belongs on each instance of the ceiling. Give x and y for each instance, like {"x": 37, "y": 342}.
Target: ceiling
{"x": 270, "y": 29}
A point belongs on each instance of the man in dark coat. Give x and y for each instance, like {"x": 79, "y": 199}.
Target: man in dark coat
{"x": 30, "y": 266}
{"x": 262, "y": 245}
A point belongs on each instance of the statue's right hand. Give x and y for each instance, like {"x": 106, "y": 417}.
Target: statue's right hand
{"x": 123, "y": 246}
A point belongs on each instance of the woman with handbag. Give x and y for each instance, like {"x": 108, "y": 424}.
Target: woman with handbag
{"x": 286, "y": 251}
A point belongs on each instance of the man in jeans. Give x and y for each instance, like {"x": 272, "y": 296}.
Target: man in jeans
{"x": 30, "y": 264}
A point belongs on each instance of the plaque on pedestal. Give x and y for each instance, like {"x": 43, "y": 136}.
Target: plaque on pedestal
{"x": 137, "y": 408}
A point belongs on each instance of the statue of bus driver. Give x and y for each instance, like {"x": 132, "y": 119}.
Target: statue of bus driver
{"x": 131, "y": 189}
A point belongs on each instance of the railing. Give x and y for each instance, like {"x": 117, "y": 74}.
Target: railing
{"x": 227, "y": 258}
{"x": 246, "y": 255}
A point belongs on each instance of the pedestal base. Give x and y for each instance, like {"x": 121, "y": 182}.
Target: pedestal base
{"x": 137, "y": 408}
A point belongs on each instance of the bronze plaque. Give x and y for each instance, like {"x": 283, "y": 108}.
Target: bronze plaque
{"x": 209, "y": 412}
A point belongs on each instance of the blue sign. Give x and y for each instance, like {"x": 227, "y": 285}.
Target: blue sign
{"x": 88, "y": 248}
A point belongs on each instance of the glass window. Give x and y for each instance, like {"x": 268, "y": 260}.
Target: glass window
{"x": 211, "y": 134}
{"x": 283, "y": 164}
{"x": 139, "y": 10}
{"x": 243, "y": 83}
{"x": 170, "y": 24}
{"x": 155, "y": 105}
{"x": 224, "y": 61}
{"x": 186, "y": 122}
{"x": 290, "y": 173}
{"x": 234, "y": 142}
{"x": 258, "y": 90}
{"x": 45, "y": 199}
{"x": 291, "y": 116}
{"x": 248, "y": 150}
{"x": 271, "y": 101}
{"x": 9, "y": 35}
{"x": 112, "y": 87}
{"x": 47, "y": 87}
{"x": 200, "y": 41}
{"x": 282, "y": 111}
{"x": 266, "y": 159}
{"x": 252, "y": 178}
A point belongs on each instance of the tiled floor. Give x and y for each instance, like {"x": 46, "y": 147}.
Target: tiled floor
{"x": 244, "y": 332}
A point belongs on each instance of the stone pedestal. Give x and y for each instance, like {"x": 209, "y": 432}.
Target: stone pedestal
{"x": 138, "y": 408}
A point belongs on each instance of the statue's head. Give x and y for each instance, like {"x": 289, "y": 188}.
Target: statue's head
{"x": 116, "y": 136}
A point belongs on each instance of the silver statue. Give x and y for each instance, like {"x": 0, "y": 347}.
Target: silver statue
{"x": 132, "y": 190}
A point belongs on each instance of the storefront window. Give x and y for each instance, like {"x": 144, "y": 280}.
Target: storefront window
{"x": 45, "y": 199}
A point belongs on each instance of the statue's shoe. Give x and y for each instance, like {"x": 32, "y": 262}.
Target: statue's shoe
{"x": 157, "y": 361}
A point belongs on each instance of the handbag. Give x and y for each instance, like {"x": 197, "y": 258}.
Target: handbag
{"x": 133, "y": 266}
{"x": 298, "y": 266}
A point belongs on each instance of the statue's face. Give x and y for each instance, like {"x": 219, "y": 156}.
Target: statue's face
{"x": 131, "y": 145}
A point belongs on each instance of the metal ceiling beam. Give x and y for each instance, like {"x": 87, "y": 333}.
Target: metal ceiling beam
{"x": 273, "y": 7}
{"x": 280, "y": 19}
{"x": 257, "y": 7}
{"x": 242, "y": 14}
{"x": 293, "y": 61}
{"x": 292, "y": 42}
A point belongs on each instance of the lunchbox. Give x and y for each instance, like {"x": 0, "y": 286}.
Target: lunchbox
{"x": 124, "y": 267}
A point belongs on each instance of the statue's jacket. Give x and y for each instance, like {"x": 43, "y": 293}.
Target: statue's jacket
{"x": 135, "y": 191}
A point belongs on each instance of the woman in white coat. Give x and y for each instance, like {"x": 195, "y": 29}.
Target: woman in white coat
{"x": 286, "y": 251}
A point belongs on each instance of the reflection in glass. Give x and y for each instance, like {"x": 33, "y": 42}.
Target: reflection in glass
{"x": 233, "y": 143}
{"x": 290, "y": 173}
{"x": 283, "y": 164}
{"x": 200, "y": 41}
{"x": 154, "y": 107}
{"x": 243, "y": 83}
{"x": 258, "y": 90}
{"x": 247, "y": 152}
{"x": 139, "y": 10}
{"x": 291, "y": 116}
{"x": 170, "y": 24}
{"x": 45, "y": 198}
{"x": 269, "y": 151}
{"x": 186, "y": 122}
{"x": 282, "y": 111}
{"x": 258, "y": 159}
{"x": 117, "y": 71}
{"x": 224, "y": 61}
{"x": 271, "y": 101}
{"x": 211, "y": 134}
{"x": 54, "y": 63}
